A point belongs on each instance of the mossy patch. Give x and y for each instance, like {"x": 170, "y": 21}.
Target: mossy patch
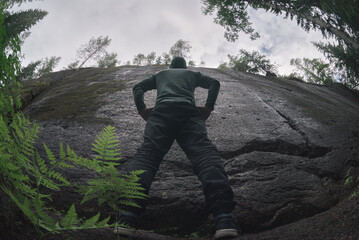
{"x": 76, "y": 97}
{"x": 30, "y": 91}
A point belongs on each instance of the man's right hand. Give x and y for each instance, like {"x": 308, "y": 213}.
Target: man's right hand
{"x": 205, "y": 111}
{"x": 145, "y": 113}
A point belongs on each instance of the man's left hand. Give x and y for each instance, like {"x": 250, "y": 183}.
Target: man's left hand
{"x": 145, "y": 113}
{"x": 205, "y": 111}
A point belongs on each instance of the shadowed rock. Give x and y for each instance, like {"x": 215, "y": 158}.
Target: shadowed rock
{"x": 286, "y": 145}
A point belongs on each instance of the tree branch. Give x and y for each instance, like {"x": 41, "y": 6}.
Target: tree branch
{"x": 323, "y": 26}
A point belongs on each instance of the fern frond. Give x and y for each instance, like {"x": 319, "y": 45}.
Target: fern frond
{"x": 41, "y": 164}
{"x": 48, "y": 183}
{"x": 103, "y": 223}
{"x": 128, "y": 203}
{"x": 106, "y": 145}
{"x": 91, "y": 222}
{"x": 4, "y": 131}
{"x": 18, "y": 176}
{"x": 58, "y": 176}
{"x": 41, "y": 215}
{"x": 50, "y": 155}
{"x": 63, "y": 155}
{"x": 70, "y": 220}
{"x": 57, "y": 227}
{"x": 7, "y": 165}
{"x": 64, "y": 165}
{"x": 23, "y": 204}
{"x": 87, "y": 198}
{"x": 64, "y": 158}
{"x": 24, "y": 134}
{"x": 72, "y": 157}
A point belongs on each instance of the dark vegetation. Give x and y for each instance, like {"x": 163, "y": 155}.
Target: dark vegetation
{"x": 27, "y": 180}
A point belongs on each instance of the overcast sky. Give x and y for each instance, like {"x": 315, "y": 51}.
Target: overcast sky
{"x": 143, "y": 26}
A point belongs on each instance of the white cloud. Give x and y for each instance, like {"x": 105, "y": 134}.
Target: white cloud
{"x": 141, "y": 26}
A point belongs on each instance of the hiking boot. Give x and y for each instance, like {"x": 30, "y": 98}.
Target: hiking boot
{"x": 127, "y": 224}
{"x": 225, "y": 226}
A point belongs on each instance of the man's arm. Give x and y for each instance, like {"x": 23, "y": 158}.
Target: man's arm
{"x": 213, "y": 86}
{"x": 139, "y": 89}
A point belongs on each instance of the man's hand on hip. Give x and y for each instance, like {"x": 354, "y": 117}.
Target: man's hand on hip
{"x": 145, "y": 113}
{"x": 205, "y": 111}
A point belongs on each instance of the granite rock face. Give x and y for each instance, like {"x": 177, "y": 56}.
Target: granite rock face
{"x": 286, "y": 144}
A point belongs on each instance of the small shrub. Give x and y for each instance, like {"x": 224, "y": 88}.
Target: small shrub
{"x": 351, "y": 178}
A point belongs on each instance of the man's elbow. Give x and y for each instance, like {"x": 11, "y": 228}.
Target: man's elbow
{"x": 136, "y": 87}
{"x": 216, "y": 84}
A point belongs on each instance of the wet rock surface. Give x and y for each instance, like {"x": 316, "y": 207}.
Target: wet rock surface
{"x": 286, "y": 145}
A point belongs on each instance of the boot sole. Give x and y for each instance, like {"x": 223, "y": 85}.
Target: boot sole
{"x": 225, "y": 234}
{"x": 128, "y": 232}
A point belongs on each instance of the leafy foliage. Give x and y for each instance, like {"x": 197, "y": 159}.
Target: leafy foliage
{"x": 314, "y": 70}
{"x": 18, "y": 22}
{"x": 108, "y": 60}
{"x": 139, "y": 59}
{"x": 180, "y": 49}
{"x": 232, "y": 15}
{"x": 25, "y": 175}
{"x": 166, "y": 59}
{"x": 94, "y": 48}
{"x": 10, "y": 89}
{"x": 47, "y": 66}
{"x": 38, "y": 68}
{"x": 335, "y": 19}
{"x": 150, "y": 58}
{"x": 249, "y": 62}
{"x": 345, "y": 60}
{"x": 73, "y": 65}
{"x": 109, "y": 187}
{"x": 30, "y": 71}
{"x": 351, "y": 178}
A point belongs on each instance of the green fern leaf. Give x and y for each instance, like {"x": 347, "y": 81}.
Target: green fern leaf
{"x": 24, "y": 189}
{"x": 105, "y": 145}
{"x": 41, "y": 164}
{"x": 128, "y": 203}
{"x": 58, "y": 176}
{"x": 57, "y": 227}
{"x": 4, "y": 131}
{"x": 63, "y": 158}
{"x": 50, "y": 155}
{"x": 62, "y": 152}
{"x": 91, "y": 222}
{"x": 50, "y": 184}
{"x": 18, "y": 176}
{"x": 86, "y": 198}
{"x": 103, "y": 223}
{"x": 46, "y": 219}
{"x": 70, "y": 220}
{"x": 8, "y": 166}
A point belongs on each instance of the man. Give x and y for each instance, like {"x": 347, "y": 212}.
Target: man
{"x": 176, "y": 117}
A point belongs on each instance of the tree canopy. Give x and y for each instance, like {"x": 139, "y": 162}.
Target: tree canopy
{"x": 313, "y": 70}
{"x": 337, "y": 19}
{"x": 94, "y": 48}
{"x": 251, "y": 62}
{"x": 180, "y": 49}
{"x": 12, "y": 25}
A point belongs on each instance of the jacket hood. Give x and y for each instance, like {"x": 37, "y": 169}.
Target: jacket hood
{"x": 178, "y": 62}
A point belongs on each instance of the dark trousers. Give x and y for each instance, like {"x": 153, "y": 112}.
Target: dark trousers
{"x": 183, "y": 122}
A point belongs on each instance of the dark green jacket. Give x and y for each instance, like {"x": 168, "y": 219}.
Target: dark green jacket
{"x": 176, "y": 85}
